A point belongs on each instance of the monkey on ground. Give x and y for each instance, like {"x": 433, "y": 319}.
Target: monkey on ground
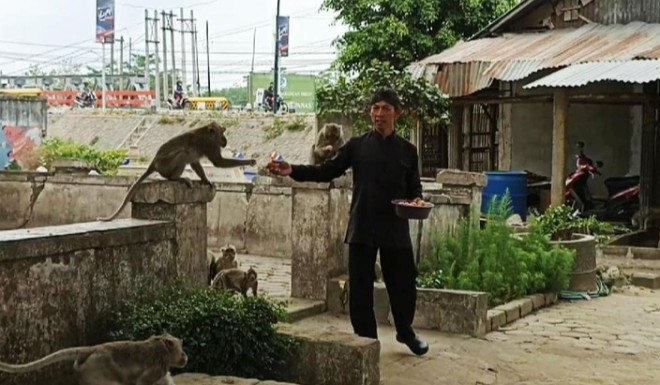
{"x": 237, "y": 280}
{"x": 146, "y": 362}
{"x": 224, "y": 262}
{"x": 328, "y": 141}
{"x": 188, "y": 148}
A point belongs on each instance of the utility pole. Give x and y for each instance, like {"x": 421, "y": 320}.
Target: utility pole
{"x": 112, "y": 57}
{"x": 276, "y": 72}
{"x": 151, "y": 36}
{"x": 166, "y": 88}
{"x": 208, "y": 57}
{"x": 121, "y": 63}
{"x": 183, "y": 49}
{"x": 195, "y": 56}
{"x": 250, "y": 85}
{"x": 130, "y": 55}
{"x": 171, "y": 28}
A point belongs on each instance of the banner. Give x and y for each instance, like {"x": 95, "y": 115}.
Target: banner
{"x": 284, "y": 36}
{"x": 105, "y": 21}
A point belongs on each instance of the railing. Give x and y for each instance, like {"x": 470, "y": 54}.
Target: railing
{"x": 135, "y": 99}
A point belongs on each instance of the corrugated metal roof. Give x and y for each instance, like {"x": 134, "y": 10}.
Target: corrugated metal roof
{"x": 516, "y": 56}
{"x": 635, "y": 71}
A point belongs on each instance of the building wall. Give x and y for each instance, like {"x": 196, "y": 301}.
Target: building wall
{"x": 611, "y": 133}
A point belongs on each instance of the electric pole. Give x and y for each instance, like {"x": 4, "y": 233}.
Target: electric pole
{"x": 121, "y": 63}
{"x": 208, "y": 58}
{"x": 166, "y": 88}
{"x": 276, "y": 75}
{"x": 151, "y": 36}
{"x": 183, "y": 50}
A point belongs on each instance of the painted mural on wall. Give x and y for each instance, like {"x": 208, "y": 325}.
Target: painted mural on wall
{"x": 17, "y": 145}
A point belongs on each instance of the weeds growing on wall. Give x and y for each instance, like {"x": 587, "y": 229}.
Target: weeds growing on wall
{"x": 106, "y": 162}
{"x": 492, "y": 260}
{"x": 223, "y": 334}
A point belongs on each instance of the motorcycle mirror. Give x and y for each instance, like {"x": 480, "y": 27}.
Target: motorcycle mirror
{"x": 600, "y": 164}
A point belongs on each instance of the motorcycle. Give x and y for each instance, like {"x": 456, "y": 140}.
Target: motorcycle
{"x": 623, "y": 192}
{"x": 85, "y": 99}
{"x": 181, "y": 105}
{"x": 267, "y": 104}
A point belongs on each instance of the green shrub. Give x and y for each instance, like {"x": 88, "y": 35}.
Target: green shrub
{"x": 223, "y": 334}
{"x": 104, "y": 161}
{"x": 494, "y": 260}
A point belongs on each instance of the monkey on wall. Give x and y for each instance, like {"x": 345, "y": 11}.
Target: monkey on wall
{"x": 226, "y": 261}
{"x": 237, "y": 280}
{"x": 188, "y": 148}
{"x": 146, "y": 362}
{"x": 328, "y": 141}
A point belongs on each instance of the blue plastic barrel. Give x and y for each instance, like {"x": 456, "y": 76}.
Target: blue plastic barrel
{"x": 497, "y": 182}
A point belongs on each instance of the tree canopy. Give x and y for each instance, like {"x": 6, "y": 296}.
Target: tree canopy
{"x": 402, "y": 31}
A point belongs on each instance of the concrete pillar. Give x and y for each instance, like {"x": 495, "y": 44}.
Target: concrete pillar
{"x": 318, "y": 224}
{"x": 186, "y": 207}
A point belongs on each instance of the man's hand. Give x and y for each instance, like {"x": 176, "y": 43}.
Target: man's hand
{"x": 279, "y": 168}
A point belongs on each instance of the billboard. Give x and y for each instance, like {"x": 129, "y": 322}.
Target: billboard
{"x": 284, "y": 35}
{"x": 299, "y": 91}
{"x": 105, "y": 21}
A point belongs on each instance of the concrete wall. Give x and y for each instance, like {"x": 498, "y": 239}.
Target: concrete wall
{"x": 256, "y": 218}
{"x": 611, "y": 133}
{"x": 60, "y": 285}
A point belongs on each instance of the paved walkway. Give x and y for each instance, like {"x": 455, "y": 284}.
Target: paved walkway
{"x": 613, "y": 340}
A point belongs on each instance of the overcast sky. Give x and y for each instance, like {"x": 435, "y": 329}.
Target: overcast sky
{"x": 50, "y": 32}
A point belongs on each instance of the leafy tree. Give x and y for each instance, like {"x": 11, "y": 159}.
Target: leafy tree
{"x": 350, "y": 96}
{"x": 403, "y": 31}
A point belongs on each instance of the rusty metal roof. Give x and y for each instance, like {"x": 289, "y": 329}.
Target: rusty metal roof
{"x": 634, "y": 71}
{"x": 470, "y": 66}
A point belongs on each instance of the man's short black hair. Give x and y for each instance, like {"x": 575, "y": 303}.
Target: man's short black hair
{"x": 387, "y": 95}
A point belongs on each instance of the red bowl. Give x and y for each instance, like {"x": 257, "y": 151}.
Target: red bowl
{"x": 411, "y": 212}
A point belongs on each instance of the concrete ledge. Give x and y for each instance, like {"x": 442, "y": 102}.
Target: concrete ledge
{"x": 647, "y": 280}
{"x": 453, "y": 311}
{"x": 502, "y": 315}
{"x": 332, "y": 358}
{"x": 205, "y": 379}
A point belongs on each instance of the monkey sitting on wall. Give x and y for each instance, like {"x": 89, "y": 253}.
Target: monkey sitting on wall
{"x": 328, "y": 141}
{"x": 224, "y": 262}
{"x": 187, "y": 149}
{"x": 146, "y": 362}
{"x": 237, "y": 280}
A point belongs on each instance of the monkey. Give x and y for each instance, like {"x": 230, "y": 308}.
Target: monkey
{"x": 226, "y": 261}
{"x": 145, "y": 362}
{"x": 328, "y": 141}
{"x": 188, "y": 148}
{"x": 237, "y": 280}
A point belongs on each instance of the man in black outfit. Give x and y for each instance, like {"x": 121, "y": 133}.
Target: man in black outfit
{"x": 385, "y": 167}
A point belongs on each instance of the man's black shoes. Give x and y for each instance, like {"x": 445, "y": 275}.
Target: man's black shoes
{"x": 415, "y": 345}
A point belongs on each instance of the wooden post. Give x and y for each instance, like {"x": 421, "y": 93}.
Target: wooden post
{"x": 560, "y": 120}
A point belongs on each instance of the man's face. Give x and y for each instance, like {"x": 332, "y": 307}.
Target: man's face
{"x": 383, "y": 115}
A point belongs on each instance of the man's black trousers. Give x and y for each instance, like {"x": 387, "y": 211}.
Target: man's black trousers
{"x": 399, "y": 274}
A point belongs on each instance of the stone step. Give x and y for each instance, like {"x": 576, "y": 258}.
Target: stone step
{"x": 205, "y": 379}
{"x": 645, "y": 278}
{"x": 298, "y": 308}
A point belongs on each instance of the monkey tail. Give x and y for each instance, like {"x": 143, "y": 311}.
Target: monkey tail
{"x": 60, "y": 355}
{"x": 129, "y": 194}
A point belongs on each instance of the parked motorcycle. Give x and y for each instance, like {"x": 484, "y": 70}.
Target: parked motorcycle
{"x": 623, "y": 192}
{"x": 85, "y": 99}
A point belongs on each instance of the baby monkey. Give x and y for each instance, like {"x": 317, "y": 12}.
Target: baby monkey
{"x": 146, "y": 362}
{"x": 237, "y": 280}
{"x": 328, "y": 141}
{"x": 224, "y": 262}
